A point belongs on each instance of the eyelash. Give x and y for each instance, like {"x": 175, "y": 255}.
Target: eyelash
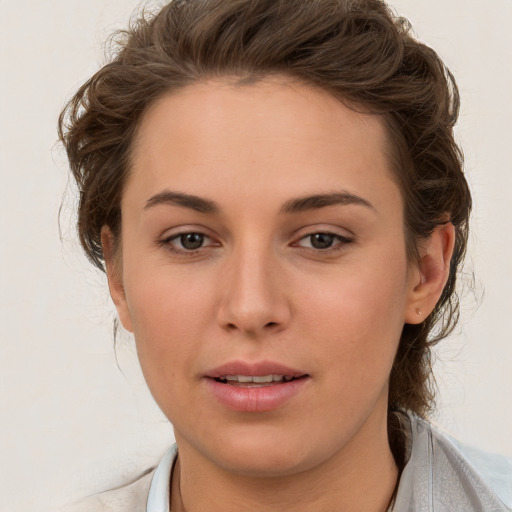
{"x": 167, "y": 243}
{"x": 342, "y": 243}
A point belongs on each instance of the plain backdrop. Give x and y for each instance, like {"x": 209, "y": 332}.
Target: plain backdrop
{"x": 74, "y": 420}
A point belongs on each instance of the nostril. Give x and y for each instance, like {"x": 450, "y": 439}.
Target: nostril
{"x": 232, "y": 326}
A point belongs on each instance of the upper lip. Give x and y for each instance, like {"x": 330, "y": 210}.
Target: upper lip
{"x": 254, "y": 369}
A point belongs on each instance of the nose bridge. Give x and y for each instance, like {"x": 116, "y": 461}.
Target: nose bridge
{"x": 253, "y": 299}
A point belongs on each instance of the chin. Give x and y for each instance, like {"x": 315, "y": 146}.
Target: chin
{"x": 265, "y": 453}
{"x": 264, "y": 463}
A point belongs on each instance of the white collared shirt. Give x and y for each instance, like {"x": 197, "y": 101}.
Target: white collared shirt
{"x": 441, "y": 475}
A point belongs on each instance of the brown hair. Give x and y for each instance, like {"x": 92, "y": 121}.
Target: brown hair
{"x": 355, "y": 49}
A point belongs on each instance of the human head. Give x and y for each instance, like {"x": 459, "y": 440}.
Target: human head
{"x": 354, "y": 49}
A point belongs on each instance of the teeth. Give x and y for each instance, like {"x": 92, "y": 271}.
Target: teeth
{"x": 263, "y": 378}
{"x": 260, "y": 379}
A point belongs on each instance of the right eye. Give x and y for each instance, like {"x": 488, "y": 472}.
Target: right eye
{"x": 187, "y": 242}
{"x": 190, "y": 241}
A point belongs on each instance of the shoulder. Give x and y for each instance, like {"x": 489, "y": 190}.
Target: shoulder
{"x": 132, "y": 496}
{"x": 444, "y": 474}
{"x": 150, "y": 491}
{"x": 494, "y": 470}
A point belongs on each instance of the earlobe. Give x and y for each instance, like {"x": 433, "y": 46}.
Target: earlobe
{"x": 429, "y": 277}
{"x": 115, "y": 278}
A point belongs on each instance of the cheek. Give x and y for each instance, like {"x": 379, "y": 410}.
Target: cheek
{"x": 164, "y": 299}
{"x": 168, "y": 312}
{"x": 359, "y": 315}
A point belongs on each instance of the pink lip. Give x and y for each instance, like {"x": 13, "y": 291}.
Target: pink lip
{"x": 255, "y": 399}
{"x": 253, "y": 369}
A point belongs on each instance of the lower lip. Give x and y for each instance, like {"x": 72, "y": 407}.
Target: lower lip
{"x": 255, "y": 399}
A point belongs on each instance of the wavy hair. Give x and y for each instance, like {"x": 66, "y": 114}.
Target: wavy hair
{"x": 357, "y": 50}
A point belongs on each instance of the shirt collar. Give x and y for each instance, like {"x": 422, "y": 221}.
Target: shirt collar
{"x": 159, "y": 492}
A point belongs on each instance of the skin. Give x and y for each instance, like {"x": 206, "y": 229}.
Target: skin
{"x": 257, "y": 289}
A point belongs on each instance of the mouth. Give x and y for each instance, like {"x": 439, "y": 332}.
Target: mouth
{"x": 257, "y": 381}
{"x": 256, "y": 387}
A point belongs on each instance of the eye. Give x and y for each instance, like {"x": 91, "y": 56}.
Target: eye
{"x": 323, "y": 241}
{"x": 190, "y": 241}
{"x": 187, "y": 242}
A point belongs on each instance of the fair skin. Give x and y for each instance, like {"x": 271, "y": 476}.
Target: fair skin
{"x": 321, "y": 286}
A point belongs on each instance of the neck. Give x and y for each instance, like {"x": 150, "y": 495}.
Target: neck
{"x": 362, "y": 477}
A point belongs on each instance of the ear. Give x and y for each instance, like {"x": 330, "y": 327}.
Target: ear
{"x": 113, "y": 268}
{"x": 428, "y": 278}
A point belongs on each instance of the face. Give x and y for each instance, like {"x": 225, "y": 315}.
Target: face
{"x": 263, "y": 272}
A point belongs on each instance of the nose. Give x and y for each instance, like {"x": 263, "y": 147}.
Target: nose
{"x": 254, "y": 297}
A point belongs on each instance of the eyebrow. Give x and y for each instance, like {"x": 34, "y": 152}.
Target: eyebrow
{"x": 317, "y": 201}
{"x": 301, "y": 204}
{"x": 196, "y": 203}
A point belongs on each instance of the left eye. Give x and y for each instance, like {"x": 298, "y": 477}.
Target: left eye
{"x": 322, "y": 240}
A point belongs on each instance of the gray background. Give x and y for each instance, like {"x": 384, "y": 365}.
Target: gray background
{"x": 72, "y": 423}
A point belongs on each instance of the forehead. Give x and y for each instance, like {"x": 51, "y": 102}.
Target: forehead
{"x": 215, "y": 134}
{"x": 277, "y": 102}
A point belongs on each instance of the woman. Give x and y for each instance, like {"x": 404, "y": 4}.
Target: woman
{"x": 275, "y": 194}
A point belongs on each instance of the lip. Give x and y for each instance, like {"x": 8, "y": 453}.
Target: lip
{"x": 253, "y": 369}
{"x": 255, "y": 399}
